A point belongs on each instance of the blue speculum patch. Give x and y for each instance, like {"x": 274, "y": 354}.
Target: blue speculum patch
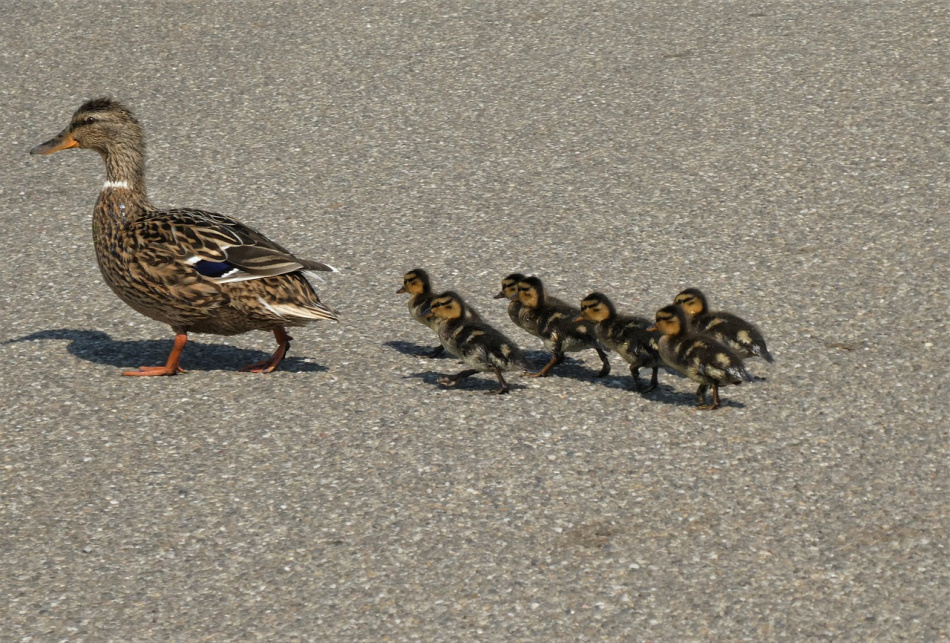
{"x": 213, "y": 269}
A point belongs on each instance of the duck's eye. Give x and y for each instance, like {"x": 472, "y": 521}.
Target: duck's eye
{"x": 89, "y": 120}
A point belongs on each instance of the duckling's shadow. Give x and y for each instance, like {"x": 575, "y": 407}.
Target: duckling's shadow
{"x": 480, "y": 382}
{"x": 574, "y": 368}
{"x": 416, "y": 350}
{"x": 96, "y": 346}
{"x": 663, "y": 393}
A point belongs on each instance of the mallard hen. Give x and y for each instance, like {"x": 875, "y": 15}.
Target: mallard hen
{"x": 197, "y": 271}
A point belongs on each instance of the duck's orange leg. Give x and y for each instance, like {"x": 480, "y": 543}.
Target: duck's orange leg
{"x": 171, "y": 367}
{"x": 269, "y": 364}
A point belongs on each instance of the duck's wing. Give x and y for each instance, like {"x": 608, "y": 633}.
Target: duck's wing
{"x": 220, "y": 248}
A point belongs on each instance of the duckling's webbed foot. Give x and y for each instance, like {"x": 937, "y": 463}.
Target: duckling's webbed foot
{"x": 637, "y": 386}
{"x": 268, "y": 365}
{"x": 452, "y": 380}
{"x": 605, "y": 369}
{"x": 504, "y": 385}
{"x": 635, "y": 374}
{"x": 654, "y": 381}
{"x": 702, "y": 406}
{"x": 556, "y": 359}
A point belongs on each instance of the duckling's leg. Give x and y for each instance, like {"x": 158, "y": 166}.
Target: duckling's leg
{"x": 171, "y": 367}
{"x": 701, "y": 396}
{"x": 452, "y": 380}
{"x": 708, "y": 407}
{"x": 605, "y": 369}
{"x": 557, "y": 356}
{"x": 654, "y": 381}
{"x": 269, "y": 364}
{"x": 635, "y": 374}
{"x": 504, "y": 385}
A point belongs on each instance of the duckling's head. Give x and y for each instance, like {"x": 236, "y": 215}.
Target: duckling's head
{"x": 415, "y": 282}
{"x": 595, "y": 307}
{"x": 509, "y": 286}
{"x": 531, "y": 292}
{"x": 101, "y": 124}
{"x": 448, "y": 305}
{"x": 670, "y": 320}
{"x": 693, "y": 302}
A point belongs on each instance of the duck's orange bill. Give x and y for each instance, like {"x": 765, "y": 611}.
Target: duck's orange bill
{"x": 579, "y": 318}
{"x": 651, "y": 328}
{"x": 62, "y": 142}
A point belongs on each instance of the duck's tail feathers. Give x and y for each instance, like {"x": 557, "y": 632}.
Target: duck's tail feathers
{"x": 293, "y": 312}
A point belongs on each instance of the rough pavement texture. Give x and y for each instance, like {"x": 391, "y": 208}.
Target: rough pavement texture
{"x": 791, "y": 159}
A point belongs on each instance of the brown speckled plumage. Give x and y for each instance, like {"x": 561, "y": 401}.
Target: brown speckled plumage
{"x": 196, "y": 271}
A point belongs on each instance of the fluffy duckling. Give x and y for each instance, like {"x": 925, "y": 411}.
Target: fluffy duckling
{"x": 197, "y": 271}
{"x": 736, "y": 333}
{"x": 557, "y": 325}
{"x": 699, "y": 357}
{"x": 416, "y": 283}
{"x": 625, "y": 334}
{"x": 477, "y": 344}
{"x": 509, "y": 290}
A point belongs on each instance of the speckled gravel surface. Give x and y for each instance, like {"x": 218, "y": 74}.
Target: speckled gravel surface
{"x": 791, "y": 159}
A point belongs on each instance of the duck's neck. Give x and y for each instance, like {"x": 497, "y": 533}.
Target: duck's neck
{"x": 123, "y": 197}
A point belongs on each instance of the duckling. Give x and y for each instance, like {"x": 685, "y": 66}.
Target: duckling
{"x": 416, "y": 283}
{"x": 625, "y": 334}
{"x": 733, "y": 331}
{"x": 519, "y": 315}
{"x": 509, "y": 288}
{"x": 557, "y": 325}
{"x": 196, "y": 271}
{"x": 699, "y": 357}
{"x": 476, "y": 343}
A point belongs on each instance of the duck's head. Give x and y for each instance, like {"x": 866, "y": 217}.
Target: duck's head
{"x": 415, "y": 282}
{"x": 693, "y": 302}
{"x": 101, "y": 124}
{"x": 670, "y": 320}
{"x": 595, "y": 307}
{"x": 531, "y": 292}
{"x": 509, "y": 286}
{"x": 446, "y": 306}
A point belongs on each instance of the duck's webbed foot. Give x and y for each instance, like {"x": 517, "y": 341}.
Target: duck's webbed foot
{"x": 271, "y": 363}
{"x": 171, "y": 367}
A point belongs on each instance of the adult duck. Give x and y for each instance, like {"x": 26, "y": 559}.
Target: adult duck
{"x": 197, "y": 271}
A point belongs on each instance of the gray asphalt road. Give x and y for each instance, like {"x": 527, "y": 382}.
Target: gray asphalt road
{"x": 791, "y": 159}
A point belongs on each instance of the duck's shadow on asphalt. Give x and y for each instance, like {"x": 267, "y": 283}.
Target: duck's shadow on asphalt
{"x": 97, "y": 346}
